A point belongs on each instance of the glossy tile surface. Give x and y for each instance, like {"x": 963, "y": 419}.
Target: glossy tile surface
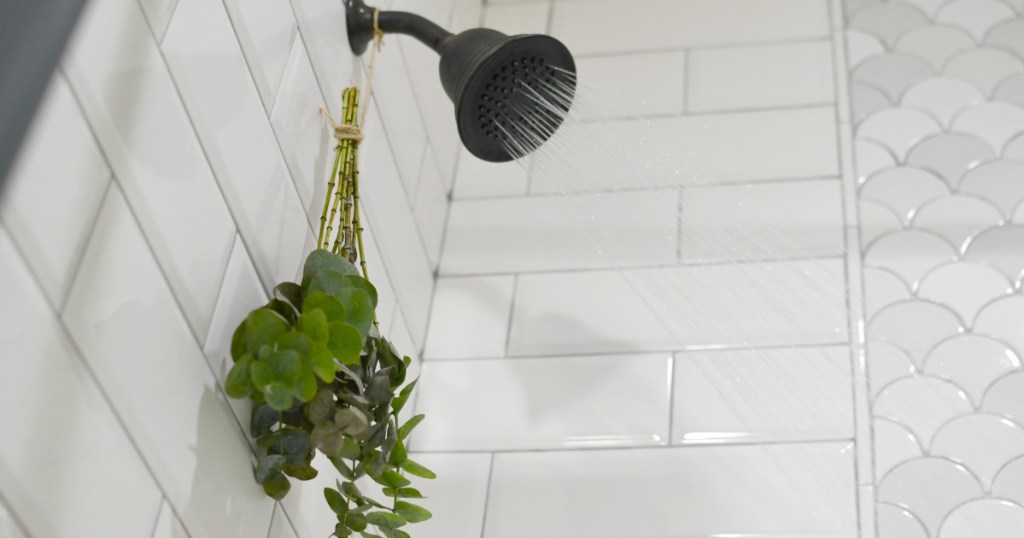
{"x": 265, "y": 32}
{"x": 119, "y": 308}
{"x": 785, "y": 490}
{"x": 643, "y": 84}
{"x": 129, "y": 99}
{"x": 540, "y": 403}
{"x": 457, "y": 498}
{"x": 469, "y": 317}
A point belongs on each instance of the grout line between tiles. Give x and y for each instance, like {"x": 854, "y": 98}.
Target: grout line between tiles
{"x": 687, "y": 80}
{"x": 678, "y": 446}
{"x": 80, "y": 255}
{"x": 487, "y": 495}
{"x": 19, "y": 524}
{"x": 709, "y": 46}
{"x": 155, "y": 526}
{"x": 640, "y": 267}
{"x": 273, "y": 515}
{"x": 681, "y": 349}
{"x": 511, "y": 313}
{"x": 688, "y": 113}
{"x": 671, "y": 398}
{"x": 80, "y": 356}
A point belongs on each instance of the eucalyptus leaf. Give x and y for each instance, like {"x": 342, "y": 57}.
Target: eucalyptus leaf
{"x": 399, "y": 402}
{"x": 285, "y": 366}
{"x": 378, "y": 390}
{"x": 345, "y": 342}
{"x": 411, "y": 512}
{"x": 320, "y": 261}
{"x": 358, "y": 307}
{"x": 342, "y": 531}
{"x": 370, "y": 535}
{"x": 385, "y": 520}
{"x": 326, "y": 303}
{"x": 327, "y": 437}
{"x": 239, "y": 341}
{"x": 304, "y": 472}
{"x": 277, "y": 486}
{"x": 285, "y": 309}
{"x": 268, "y": 466}
{"x": 261, "y": 375}
{"x": 263, "y": 418}
{"x": 406, "y": 429}
{"x": 279, "y": 395}
{"x": 335, "y": 501}
{"x": 416, "y": 469}
{"x": 403, "y": 493}
{"x": 296, "y": 341}
{"x": 351, "y": 491}
{"x": 392, "y": 479}
{"x": 321, "y": 360}
{"x": 238, "y": 383}
{"x": 350, "y": 448}
{"x": 352, "y": 421}
{"x": 291, "y": 293}
{"x": 322, "y": 407}
{"x": 356, "y": 521}
{"x": 305, "y": 390}
{"x": 365, "y": 285}
{"x": 343, "y": 468}
{"x": 262, "y": 327}
{"x": 398, "y": 455}
{"x": 314, "y": 325}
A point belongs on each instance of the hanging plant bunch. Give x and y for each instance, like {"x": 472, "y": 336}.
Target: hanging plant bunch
{"x": 323, "y": 379}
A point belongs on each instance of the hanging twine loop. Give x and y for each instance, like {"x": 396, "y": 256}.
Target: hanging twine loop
{"x": 355, "y": 132}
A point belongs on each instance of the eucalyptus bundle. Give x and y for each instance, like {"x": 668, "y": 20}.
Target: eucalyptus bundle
{"x": 321, "y": 377}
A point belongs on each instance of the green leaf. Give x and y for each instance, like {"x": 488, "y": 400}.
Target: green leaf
{"x": 327, "y": 437}
{"x": 351, "y": 491}
{"x": 238, "y": 383}
{"x": 399, "y": 402}
{"x": 327, "y": 304}
{"x": 314, "y": 325}
{"x": 378, "y": 390}
{"x": 302, "y": 472}
{"x": 358, "y": 307}
{"x": 261, "y": 375}
{"x": 291, "y": 293}
{"x": 262, "y": 327}
{"x": 352, "y": 421}
{"x": 345, "y": 342}
{"x": 343, "y": 468}
{"x": 279, "y": 395}
{"x": 370, "y": 535}
{"x": 395, "y": 533}
{"x": 406, "y": 429}
{"x": 296, "y": 341}
{"x": 322, "y": 361}
{"x": 292, "y": 443}
{"x": 277, "y": 486}
{"x": 239, "y": 341}
{"x": 411, "y": 512}
{"x": 356, "y": 521}
{"x": 263, "y": 418}
{"x": 268, "y": 466}
{"x": 403, "y": 493}
{"x": 398, "y": 455}
{"x": 305, "y": 390}
{"x": 320, "y": 261}
{"x": 350, "y": 449}
{"x": 342, "y": 531}
{"x": 365, "y": 285}
{"x": 385, "y": 520}
{"x": 336, "y": 501}
{"x": 416, "y": 469}
{"x": 321, "y": 408}
{"x": 284, "y": 309}
{"x": 285, "y": 366}
{"x": 392, "y": 479}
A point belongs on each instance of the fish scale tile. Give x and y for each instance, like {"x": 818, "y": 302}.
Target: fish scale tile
{"x": 948, "y": 405}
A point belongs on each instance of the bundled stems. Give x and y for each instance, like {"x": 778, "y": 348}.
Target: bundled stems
{"x": 342, "y": 197}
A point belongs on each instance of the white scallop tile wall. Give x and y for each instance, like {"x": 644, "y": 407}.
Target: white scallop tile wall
{"x": 948, "y": 385}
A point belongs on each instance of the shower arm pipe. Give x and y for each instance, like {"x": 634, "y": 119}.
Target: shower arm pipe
{"x": 360, "y": 26}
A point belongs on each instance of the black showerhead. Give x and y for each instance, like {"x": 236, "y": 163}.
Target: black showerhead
{"x": 511, "y": 93}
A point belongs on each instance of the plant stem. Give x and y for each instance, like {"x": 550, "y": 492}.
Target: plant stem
{"x": 327, "y": 198}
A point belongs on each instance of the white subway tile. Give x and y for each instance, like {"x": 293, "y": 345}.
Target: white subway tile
{"x": 802, "y": 490}
{"x": 762, "y": 221}
{"x": 116, "y": 70}
{"x": 379, "y": 276}
{"x": 389, "y": 214}
{"x": 233, "y": 127}
{"x": 763, "y": 76}
{"x": 555, "y": 232}
{"x": 307, "y": 511}
{"x": 135, "y": 339}
{"x": 524, "y": 18}
{"x": 431, "y": 209}
{"x": 395, "y": 94}
{"x": 469, "y": 317}
{"x": 545, "y": 403}
{"x": 322, "y": 31}
{"x": 168, "y": 525}
{"x": 66, "y": 463}
{"x": 476, "y": 178}
{"x": 456, "y": 498}
{"x": 797, "y": 394}
{"x": 753, "y": 304}
{"x": 630, "y": 85}
{"x": 305, "y": 137}
{"x": 599, "y": 26}
{"x": 8, "y": 525}
{"x": 159, "y": 13}
{"x": 265, "y": 30}
{"x": 240, "y": 293}
{"x": 584, "y": 312}
{"x": 54, "y": 190}
{"x": 688, "y": 151}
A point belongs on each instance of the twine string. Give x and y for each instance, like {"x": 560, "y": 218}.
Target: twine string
{"x": 355, "y": 132}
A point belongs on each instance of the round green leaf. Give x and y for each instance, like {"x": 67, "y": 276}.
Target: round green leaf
{"x": 289, "y": 292}
{"x": 365, "y": 285}
{"x": 385, "y": 520}
{"x": 313, "y": 323}
{"x": 296, "y": 341}
{"x": 279, "y": 396}
{"x": 263, "y": 418}
{"x": 239, "y": 341}
{"x": 285, "y": 366}
{"x": 335, "y": 501}
{"x": 411, "y": 512}
{"x": 320, "y": 261}
{"x": 345, "y": 342}
{"x": 305, "y": 390}
{"x": 268, "y": 466}
{"x": 285, "y": 309}
{"x": 356, "y": 521}
{"x": 261, "y": 375}
{"x": 322, "y": 362}
{"x": 304, "y": 471}
{"x": 277, "y": 486}
{"x": 330, "y": 306}
{"x": 238, "y": 383}
{"x": 262, "y": 327}
{"x": 358, "y": 307}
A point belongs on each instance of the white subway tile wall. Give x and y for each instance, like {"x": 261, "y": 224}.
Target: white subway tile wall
{"x": 173, "y": 176}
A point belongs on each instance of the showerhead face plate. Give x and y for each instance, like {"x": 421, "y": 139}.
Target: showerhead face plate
{"x": 515, "y": 97}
